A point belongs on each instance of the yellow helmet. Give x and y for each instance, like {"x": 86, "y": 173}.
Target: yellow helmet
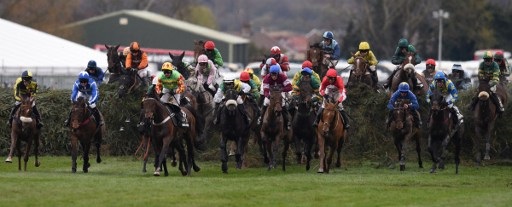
{"x": 167, "y": 66}
{"x": 249, "y": 70}
{"x": 364, "y": 46}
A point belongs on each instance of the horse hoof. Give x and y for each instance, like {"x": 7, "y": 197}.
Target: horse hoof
{"x": 98, "y": 160}
{"x": 197, "y": 169}
{"x": 432, "y": 170}
{"x": 487, "y": 157}
{"x": 86, "y": 170}
{"x": 156, "y": 173}
{"x": 173, "y": 163}
{"x": 320, "y": 171}
{"x": 73, "y": 170}
{"x": 402, "y": 167}
{"x": 8, "y": 160}
{"x": 38, "y": 164}
{"x": 225, "y": 171}
{"x": 338, "y": 165}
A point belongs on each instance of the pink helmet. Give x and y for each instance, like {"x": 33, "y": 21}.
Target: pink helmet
{"x": 202, "y": 59}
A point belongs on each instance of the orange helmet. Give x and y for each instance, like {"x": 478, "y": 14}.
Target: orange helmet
{"x": 244, "y": 76}
{"x": 134, "y": 46}
{"x": 249, "y": 70}
{"x": 209, "y": 45}
{"x": 331, "y": 73}
{"x": 307, "y": 64}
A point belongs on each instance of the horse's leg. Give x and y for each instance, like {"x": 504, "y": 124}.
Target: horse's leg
{"x": 27, "y": 153}
{"x": 321, "y": 152}
{"x": 97, "y": 143}
{"x": 190, "y": 150}
{"x": 399, "y": 146}
{"x": 19, "y": 153}
{"x": 74, "y": 152}
{"x": 338, "y": 151}
{"x": 298, "y": 149}
{"x": 333, "y": 147}
{"x": 285, "y": 150}
{"x": 418, "y": 150}
{"x": 14, "y": 140}
{"x": 307, "y": 150}
{"x": 457, "y": 141}
{"x": 223, "y": 154}
{"x": 36, "y": 150}
{"x": 262, "y": 147}
{"x": 183, "y": 165}
{"x": 487, "y": 144}
{"x": 86, "y": 145}
{"x": 163, "y": 153}
{"x": 477, "y": 146}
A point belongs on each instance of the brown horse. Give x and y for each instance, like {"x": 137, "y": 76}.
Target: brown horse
{"x": 24, "y": 129}
{"x": 272, "y": 129}
{"x": 177, "y": 61}
{"x": 443, "y": 129}
{"x": 115, "y": 67}
{"x": 405, "y": 74}
{"x": 84, "y": 130}
{"x": 303, "y": 134}
{"x": 253, "y": 112}
{"x": 360, "y": 73}
{"x": 485, "y": 119}
{"x": 403, "y": 131}
{"x": 315, "y": 54}
{"x": 331, "y": 135}
{"x": 164, "y": 132}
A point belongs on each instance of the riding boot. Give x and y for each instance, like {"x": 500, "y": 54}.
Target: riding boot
{"x": 388, "y": 119}
{"x": 416, "y": 118}
{"x": 216, "y": 114}
{"x": 345, "y": 119}
{"x": 318, "y": 116}
{"x": 241, "y": 107}
{"x": 66, "y": 123}
{"x": 286, "y": 119}
{"x": 263, "y": 110}
{"x": 180, "y": 116}
{"x": 472, "y": 105}
{"x": 456, "y": 113}
{"x": 390, "y": 78}
{"x": 498, "y": 103}
{"x": 417, "y": 85}
{"x": 97, "y": 117}
{"x": 11, "y": 116}
{"x": 38, "y": 117}
{"x": 375, "y": 79}
{"x": 260, "y": 100}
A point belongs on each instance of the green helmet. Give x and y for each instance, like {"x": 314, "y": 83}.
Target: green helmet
{"x": 487, "y": 55}
{"x": 411, "y": 48}
{"x": 403, "y": 42}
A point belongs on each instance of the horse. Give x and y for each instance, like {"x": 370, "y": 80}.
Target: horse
{"x": 115, "y": 67}
{"x": 360, "y": 73}
{"x": 485, "y": 119}
{"x": 24, "y": 128}
{"x": 202, "y": 106}
{"x": 84, "y": 130}
{"x": 165, "y": 134}
{"x": 442, "y": 130}
{"x": 129, "y": 82}
{"x": 233, "y": 127}
{"x": 253, "y": 112}
{"x": 405, "y": 73}
{"x": 331, "y": 134}
{"x": 315, "y": 54}
{"x": 303, "y": 134}
{"x": 177, "y": 61}
{"x": 272, "y": 129}
{"x": 402, "y": 129}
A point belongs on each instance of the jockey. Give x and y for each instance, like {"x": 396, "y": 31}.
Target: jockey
{"x": 430, "y": 70}
{"x": 331, "y": 48}
{"x": 170, "y": 83}
{"x": 246, "y": 78}
{"x": 306, "y": 73}
{"x": 448, "y": 90}
{"x": 239, "y": 87}
{"x": 85, "y": 87}
{"x": 367, "y": 54}
{"x": 489, "y": 71}
{"x": 401, "y": 52}
{"x": 213, "y": 53}
{"x": 504, "y": 66}
{"x": 137, "y": 60}
{"x": 122, "y": 56}
{"x": 272, "y": 80}
{"x": 460, "y": 78}
{"x": 205, "y": 72}
{"x": 332, "y": 86}
{"x": 25, "y": 87}
{"x": 95, "y": 72}
{"x": 254, "y": 78}
{"x": 404, "y": 93}
{"x": 266, "y": 67}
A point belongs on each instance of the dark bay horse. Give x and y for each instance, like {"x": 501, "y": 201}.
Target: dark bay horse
{"x": 331, "y": 135}
{"x": 360, "y": 73}
{"x": 84, "y": 131}
{"x": 24, "y": 129}
{"x": 303, "y": 134}
{"x": 165, "y": 133}
{"x": 442, "y": 130}
{"x": 403, "y": 131}
{"x": 234, "y": 128}
{"x": 315, "y": 54}
{"x": 272, "y": 129}
{"x": 115, "y": 67}
{"x": 254, "y": 112}
{"x": 177, "y": 61}
{"x": 485, "y": 119}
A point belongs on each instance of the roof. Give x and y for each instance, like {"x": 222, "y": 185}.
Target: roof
{"x": 170, "y": 22}
{"x": 30, "y": 48}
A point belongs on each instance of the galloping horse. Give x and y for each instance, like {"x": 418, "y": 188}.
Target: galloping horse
{"x": 402, "y": 128}
{"x": 405, "y": 73}
{"x": 164, "y": 132}
{"x": 24, "y": 129}
{"x": 177, "y": 61}
{"x": 233, "y": 127}
{"x": 442, "y": 131}
{"x": 203, "y": 109}
{"x": 115, "y": 68}
{"x": 84, "y": 130}
{"x": 360, "y": 73}
{"x": 315, "y": 54}
{"x": 485, "y": 119}
{"x": 272, "y": 129}
{"x": 330, "y": 134}
{"x": 302, "y": 132}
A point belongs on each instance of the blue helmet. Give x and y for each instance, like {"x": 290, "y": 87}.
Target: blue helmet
{"x": 328, "y": 35}
{"x": 275, "y": 68}
{"x": 403, "y": 87}
{"x": 439, "y": 76}
{"x": 83, "y": 76}
{"x": 306, "y": 71}
{"x": 91, "y": 64}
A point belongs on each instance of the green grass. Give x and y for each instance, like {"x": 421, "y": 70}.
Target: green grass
{"x": 118, "y": 181}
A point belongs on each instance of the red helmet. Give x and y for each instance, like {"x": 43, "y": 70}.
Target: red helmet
{"x": 209, "y": 45}
{"x": 331, "y": 73}
{"x": 244, "y": 76}
{"x": 498, "y": 55}
{"x": 275, "y": 50}
{"x": 307, "y": 64}
{"x": 431, "y": 62}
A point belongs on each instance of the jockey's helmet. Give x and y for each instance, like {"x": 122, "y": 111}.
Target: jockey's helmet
{"x": 275, "y": 50}
{"x": 411, "y": 48}
{"x": 440, "y": 76}
{"x": 403, "y": 43}
{"x": 328, "y": 35}
{"x": 91, "y": 64}
{"x": 498, "y": 55}
{"x": 202, "y": 58}
{"x": 306, "y": 71}
{"x": 126, "y": 51}
{"x": 456, "y": 67}
{"x": 275, "y": 69}
{"x": 245, "y": 76}
{"x": 83, "y": 76}
{"x": 26, "y": 75}
{"x": 364, "y": 46}
{"x": 228, "y": 82}
{"x": 307, "y": 64}
{"x": 430, "y": 62}
{"x": 249, "y": 70}
{"x": 167, "y": 66}
{"x": 487, "y": 55}
{"x": 209, "y": 45}
{"x": 403, "y": 87}
{"x": 134, "y": 47}
{"x": 331, "y": 73}
{"x": 271, "y": 61}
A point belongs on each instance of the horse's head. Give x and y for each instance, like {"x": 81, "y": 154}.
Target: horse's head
{"x": 360, "y": 66}
{"x": 409, "y": 59}
{"x": 113, "y": 59}
{"x": 127, "y": 83}
{"x": 26, "y": 109}
{"x": 148, "y": 106}
{"x": 315, "y": 54}
{"x": 231, "y": 95}
{"x": 303, "y": 101}
{"x": 177, "y": 61}
{"x": 329, "y": 118}
{"x": 79, "y": 113}
{"x": 409, "y": 70}
{"x": 276, "y": 100}
{"x": 438, "y": 102}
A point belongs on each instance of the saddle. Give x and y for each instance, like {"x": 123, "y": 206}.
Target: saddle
{"x": 178, "y": 117}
